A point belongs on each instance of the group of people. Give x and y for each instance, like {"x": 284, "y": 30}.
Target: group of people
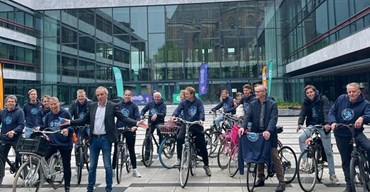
{"x": 348, "y": 109}
{"x": 260, "y": 114}
{"x": 102, "y": 132}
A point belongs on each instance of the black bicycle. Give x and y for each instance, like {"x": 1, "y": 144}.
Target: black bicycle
{"x": 312, "y": 160}
{"x": 359, "y": 166}
{"x": 13, "y": 166}
{"x": 82, "y": 152}
{"x": 147, "y": 148}
{"x": 288, "y": 160}
{"x": 122, "y": 155}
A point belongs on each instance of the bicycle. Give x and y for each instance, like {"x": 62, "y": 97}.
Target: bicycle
{"x": 32, "y": 173}
{"x": 122, "y": 155}
{"x": 313, "y": 158}
{"x": 288, "y": 160}
{"x": 227, "y": 147}
{"x": 359, "y": 165}
{"x": 147, "y": 148}
{"x": 167, "y": 155}
{"x": 232, "y": 165}
{"x": 215, "y": 133}
{"x": 12, "y": 165}
{"x": 81, "y": 152}
{"x": 189, "y": 153}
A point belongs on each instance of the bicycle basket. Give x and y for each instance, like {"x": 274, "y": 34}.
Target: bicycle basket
{"x": 169, "y": 128}
{"x": 37, "y": 145}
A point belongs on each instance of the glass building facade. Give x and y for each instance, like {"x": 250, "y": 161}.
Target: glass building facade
{"x": 161, "y": 47}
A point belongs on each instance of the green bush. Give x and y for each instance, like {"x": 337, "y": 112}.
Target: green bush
{"x": 288, "y": 105}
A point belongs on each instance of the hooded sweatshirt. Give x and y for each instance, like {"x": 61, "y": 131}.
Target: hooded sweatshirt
{"x": 57, "y": 139}
{"x": 78, "y": 110}
{"x": 345, "y": 112}
{"x": 30, "y": 113}
{"x": 12, "y": 120}
{"x": 192, "y": 110}
{"x": 316, "y": 110}
{"x": 128, "y": 109}
{"x": 155, "y": 108}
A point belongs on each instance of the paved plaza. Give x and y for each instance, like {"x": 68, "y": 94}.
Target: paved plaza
{"x": 157, "y": 178}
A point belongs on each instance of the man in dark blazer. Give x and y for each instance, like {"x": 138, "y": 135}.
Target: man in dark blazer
{"x": 103, "y": 132}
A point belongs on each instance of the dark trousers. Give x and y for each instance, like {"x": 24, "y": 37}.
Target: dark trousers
{"x": 4, "y": 150}
{"x": 200, "y": 142}
{"x": 149, "y": 135}
{"x": 66, "y": 160}
{"x": 277, "y": 165}
{"x": 345, "y": 149}
{"x": 130, "y": 141}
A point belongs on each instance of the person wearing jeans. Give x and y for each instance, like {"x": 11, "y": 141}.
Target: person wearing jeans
{"x": 103, "y": 132}
{"x": 315, "y": 110}
{"x": 227, "y": 104}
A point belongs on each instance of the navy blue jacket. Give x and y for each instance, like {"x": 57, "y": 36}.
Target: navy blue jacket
{"x": 57, "y": 139}
{"x": 227, "y": 104}
{"x": 128, "y": 109}
{"x": 30, "y": 111}
{"x": 12, "y": 121}
{"x": 160, "y": 109}
{"x": 40, "y": 117}
{"x": 78, "y": 110}
{"x": 270, "y": 119}
{"x": 315, "y": 111}
{"x": 245, "y": 101}
{"x": 253, "y": 148}
{"x": 345, "y": 112}
{"x": 192, "y": 110}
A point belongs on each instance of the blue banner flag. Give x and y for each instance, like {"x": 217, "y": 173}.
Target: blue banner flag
{"x": 203, "y": 79}
{"x": 119, "y": 81}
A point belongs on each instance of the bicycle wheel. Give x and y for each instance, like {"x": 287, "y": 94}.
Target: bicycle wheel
{"x": 86, "y": 155}
{"x": 147, "y": 151}
{"x": 120, "y": 159}
{"x": 79, "y": 162}
{"x": 56, "y": 169}
{"x": 223, "y": 155}
{"x": 127, "y": 160}
{"x": 193, "y": 160}
{"x": 307, "y": 174}
{"x": 232, "y": 166}
{"x": 29, "y": 177}
{"x": 167, "y": 155}
{"x": 184, "y": 166}
{"x": 212, "y": 142}
{"x": 289, "y": 162}
{"x": 357, "y": 175}
{"x": 320, "y": 164}
{"x": 251, "y": 176}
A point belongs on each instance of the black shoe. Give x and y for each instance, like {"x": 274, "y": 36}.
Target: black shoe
{"x": 260, "y": 182}
{"x": 207, "y": 170}
{"x": 280, "y": 187}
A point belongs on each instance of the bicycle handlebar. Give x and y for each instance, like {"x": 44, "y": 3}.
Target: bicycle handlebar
{"x": 188, "y": 122}
{"x": 124, "y": 129}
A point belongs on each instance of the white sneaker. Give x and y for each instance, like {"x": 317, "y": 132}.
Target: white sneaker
{"x": 333, "y": 179}
{"x": 135, "y": 173}
{"x": 303, "y": 166}
{"x": 177, "y": 164}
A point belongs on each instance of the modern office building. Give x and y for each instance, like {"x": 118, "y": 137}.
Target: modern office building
{"x": 58, "y": 47}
